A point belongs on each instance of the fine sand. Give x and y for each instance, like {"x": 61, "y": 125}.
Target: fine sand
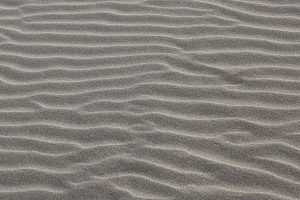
{"x": 149, "y": 100}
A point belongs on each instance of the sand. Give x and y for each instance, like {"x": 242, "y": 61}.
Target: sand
{"x": 149, "y": 100}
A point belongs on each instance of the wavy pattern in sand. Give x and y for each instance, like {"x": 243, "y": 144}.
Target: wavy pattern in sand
{"x": 149, "y": 99}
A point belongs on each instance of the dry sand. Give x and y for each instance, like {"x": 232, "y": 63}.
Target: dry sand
{"x": 149, "y": 100}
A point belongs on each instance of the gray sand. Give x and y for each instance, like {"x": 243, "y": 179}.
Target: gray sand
{"x": 149, "y": 100}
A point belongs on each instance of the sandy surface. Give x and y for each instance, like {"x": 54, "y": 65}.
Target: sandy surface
{"x": 149, "y": 100}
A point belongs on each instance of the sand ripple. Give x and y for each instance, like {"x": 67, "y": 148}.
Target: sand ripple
{"x": 149, "y": 99}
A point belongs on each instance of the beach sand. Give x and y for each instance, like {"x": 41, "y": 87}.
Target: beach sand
{"x": 149, "y": 100}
